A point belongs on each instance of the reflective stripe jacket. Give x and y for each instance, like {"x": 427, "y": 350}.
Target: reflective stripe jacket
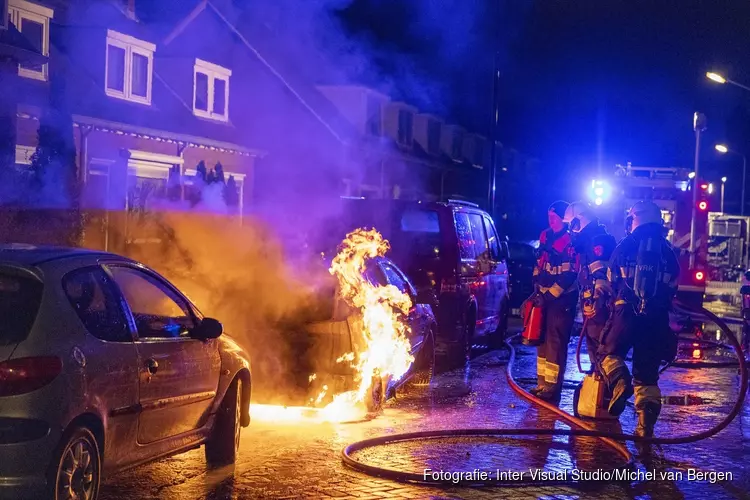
{"x": 593, "y": 247}
{"x": 623, "y": 264}
{"x": 555, "y": 273}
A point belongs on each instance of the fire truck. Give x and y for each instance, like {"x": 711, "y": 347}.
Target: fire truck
{"x": 672, "y": 190}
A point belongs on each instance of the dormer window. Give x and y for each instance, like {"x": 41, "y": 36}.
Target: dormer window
{"x": 405, "y": 119}
{"x": 129, "y": 67}
{"x": 211, "y": 90}
{"x": 433, "y": 137}
{"x": 32, "y": 21}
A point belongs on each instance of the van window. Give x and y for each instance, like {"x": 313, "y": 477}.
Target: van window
{"x": 479, "y": 237}
{"x": 420, "y": 221}
{"x": 494, "y": 241}
{"x": 465, "y": 237}
{"x": 420, "y": 234}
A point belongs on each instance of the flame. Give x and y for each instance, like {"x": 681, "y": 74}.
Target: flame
{"x": 386, "y": 351}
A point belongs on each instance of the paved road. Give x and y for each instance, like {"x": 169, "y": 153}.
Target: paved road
{"x": 303, "y": 461}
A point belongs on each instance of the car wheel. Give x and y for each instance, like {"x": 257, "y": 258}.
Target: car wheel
{"x": 497, "y": 338}
{"x": 75, "y": 469}
{"x": 224, "y": 442}
{"x": 425, "y": 363}
{"x": 376, "y": 396}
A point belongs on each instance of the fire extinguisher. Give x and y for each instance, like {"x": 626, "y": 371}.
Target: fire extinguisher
{"x": 533, "y": 324}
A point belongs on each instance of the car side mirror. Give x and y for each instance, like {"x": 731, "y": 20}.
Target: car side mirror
{"x": 504, "y": 250}
{"x": 208, "y": 328}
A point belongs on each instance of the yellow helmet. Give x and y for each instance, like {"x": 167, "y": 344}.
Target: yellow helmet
{"x": 643, "y": 212}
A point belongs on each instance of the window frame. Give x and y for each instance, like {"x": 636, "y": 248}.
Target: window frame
{"x": 213, "y": 72}
{"x": 489, "y": 227}
{"x": 195, "y": 315}
{"x": 433, "y": 143}
{"x": 18, "y": 10}
{"x": 483, "y": 229}
{"x": 405, "y": 136}
{"x": 132, "y": 46}
{"x": 118, "y": 296}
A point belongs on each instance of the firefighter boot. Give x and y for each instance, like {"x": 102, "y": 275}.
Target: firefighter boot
{"x": 647, "y": 416}
{"x": 550, "y": 393}
{"x": 621, "y": 392}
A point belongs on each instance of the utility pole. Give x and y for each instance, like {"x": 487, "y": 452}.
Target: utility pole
{"x": 699, "y": 125}
{"x": 492, "y": 180}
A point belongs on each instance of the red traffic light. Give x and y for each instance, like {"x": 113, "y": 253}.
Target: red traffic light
{"x": 699, "y": 276}
{"x": 703, "y": 205}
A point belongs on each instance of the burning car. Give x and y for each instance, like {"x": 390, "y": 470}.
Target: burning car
{"x": 368, "y": 333}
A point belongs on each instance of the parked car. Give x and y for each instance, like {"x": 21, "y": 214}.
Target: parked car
{"x": 332, "y": 329}
{"x": 105, "y": 365}
{"x": 451, "y": 248}
{"x": 521, "y": 263}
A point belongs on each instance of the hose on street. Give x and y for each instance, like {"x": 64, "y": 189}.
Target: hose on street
{"x": 581, "y": 427}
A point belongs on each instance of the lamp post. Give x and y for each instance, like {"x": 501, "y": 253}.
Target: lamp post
{"x": 723, "y": 149}
{"x": 723, "y": 181}
{"x": 699, "y": 125}
{"x": 718, "y": 78}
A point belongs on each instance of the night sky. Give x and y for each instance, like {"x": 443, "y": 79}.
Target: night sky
{"x": 585, "y": 84}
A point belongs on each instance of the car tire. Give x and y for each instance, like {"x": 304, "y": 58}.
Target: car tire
{"x": 224, "y": 442}
{"x": 497, "y": 338}
{"x": 425, "y": 363}
{"x": 75, "y": 470}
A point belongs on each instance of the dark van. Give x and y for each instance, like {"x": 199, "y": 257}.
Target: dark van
{"x": 451, "y": 248}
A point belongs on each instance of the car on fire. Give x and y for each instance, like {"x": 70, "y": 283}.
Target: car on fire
{"x": 332, "y": 328}
{"x": 451, "y": 248}
{"x": 105, "y": 365}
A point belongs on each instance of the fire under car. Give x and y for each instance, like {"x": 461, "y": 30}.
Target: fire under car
{"x": 333, "y": 329}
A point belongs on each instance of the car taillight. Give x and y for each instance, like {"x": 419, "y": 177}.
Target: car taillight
{"x": 699, "y": 276}
{"x": 19, "y": 376}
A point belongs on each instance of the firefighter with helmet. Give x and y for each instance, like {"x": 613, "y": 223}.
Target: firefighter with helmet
{"x": 593, "y": 247}
{"x": 643, "y": 273}
{"x": 555, "y": 292}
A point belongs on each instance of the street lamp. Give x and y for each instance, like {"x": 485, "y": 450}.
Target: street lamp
{"x": 716, "y": 77}
{"x": 723, "y": 181}
{"x": 723, "y": 149}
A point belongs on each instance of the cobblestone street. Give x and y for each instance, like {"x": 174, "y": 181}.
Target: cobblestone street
{"x": 304, "y": 461}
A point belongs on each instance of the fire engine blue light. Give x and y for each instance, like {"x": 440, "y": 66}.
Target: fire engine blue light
{"x": 599, "y": 191}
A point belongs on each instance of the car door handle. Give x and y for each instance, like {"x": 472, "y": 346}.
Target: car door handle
{"x": 152, "y": 366}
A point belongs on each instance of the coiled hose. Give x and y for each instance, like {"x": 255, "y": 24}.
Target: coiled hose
{"x": 613, "y": 440}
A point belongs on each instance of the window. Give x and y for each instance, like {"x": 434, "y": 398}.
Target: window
{"x": 129, "y": 67}
{"x": 465, "y": 237}
{"x": 158, "y": 311}
{"x": 494, "y": 241}
{"x": 433, "y": 137}
{"x": 478, "y": 235}
{"x": 458, "y": 145}
{"x": 374, "y": 116}
{"x": 211, "y": 90}
{"x": 405, "y": 119}
{"x": 32, "y": 21}
{"x": 92, "y": 297}
{"x": 20, "y": 297}
{"x": 397, "y": 279}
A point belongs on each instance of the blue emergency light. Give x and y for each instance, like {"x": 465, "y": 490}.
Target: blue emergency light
{"x": 599, "y": 191}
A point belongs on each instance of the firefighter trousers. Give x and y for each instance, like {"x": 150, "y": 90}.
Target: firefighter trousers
{"x": 552, "y": 355}
{"x": 649, "y": 337}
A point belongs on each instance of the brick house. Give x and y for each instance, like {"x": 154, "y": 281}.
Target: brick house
{"x": 131, "y": 128}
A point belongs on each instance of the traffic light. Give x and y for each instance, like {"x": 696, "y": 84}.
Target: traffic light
{"x": 703, "y": 192}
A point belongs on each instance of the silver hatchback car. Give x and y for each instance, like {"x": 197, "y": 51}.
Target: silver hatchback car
{"x": 105, "y": 365}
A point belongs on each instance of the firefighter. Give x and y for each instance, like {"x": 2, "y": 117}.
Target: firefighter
{"x": 643, "y": 273}
{"x": 555, "y": 292}
{"x": 593, "y": 247}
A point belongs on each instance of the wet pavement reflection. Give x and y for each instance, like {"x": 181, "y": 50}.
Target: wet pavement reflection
{"x": 289, "y": 460}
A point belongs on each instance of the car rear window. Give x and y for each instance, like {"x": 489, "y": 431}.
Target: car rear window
{"x": 20, "y": 298}
{"x": 419, "y": 236}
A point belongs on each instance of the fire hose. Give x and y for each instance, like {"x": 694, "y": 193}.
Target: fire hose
{"x": 583, "y": 428}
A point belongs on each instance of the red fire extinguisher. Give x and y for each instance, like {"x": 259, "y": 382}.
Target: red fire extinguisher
{"x": 533, "y": 324}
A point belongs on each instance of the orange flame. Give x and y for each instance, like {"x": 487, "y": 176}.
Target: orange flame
{"x": 386, "y": 353}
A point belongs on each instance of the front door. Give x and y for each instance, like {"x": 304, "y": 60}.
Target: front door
{"x": 178, "y": 375}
